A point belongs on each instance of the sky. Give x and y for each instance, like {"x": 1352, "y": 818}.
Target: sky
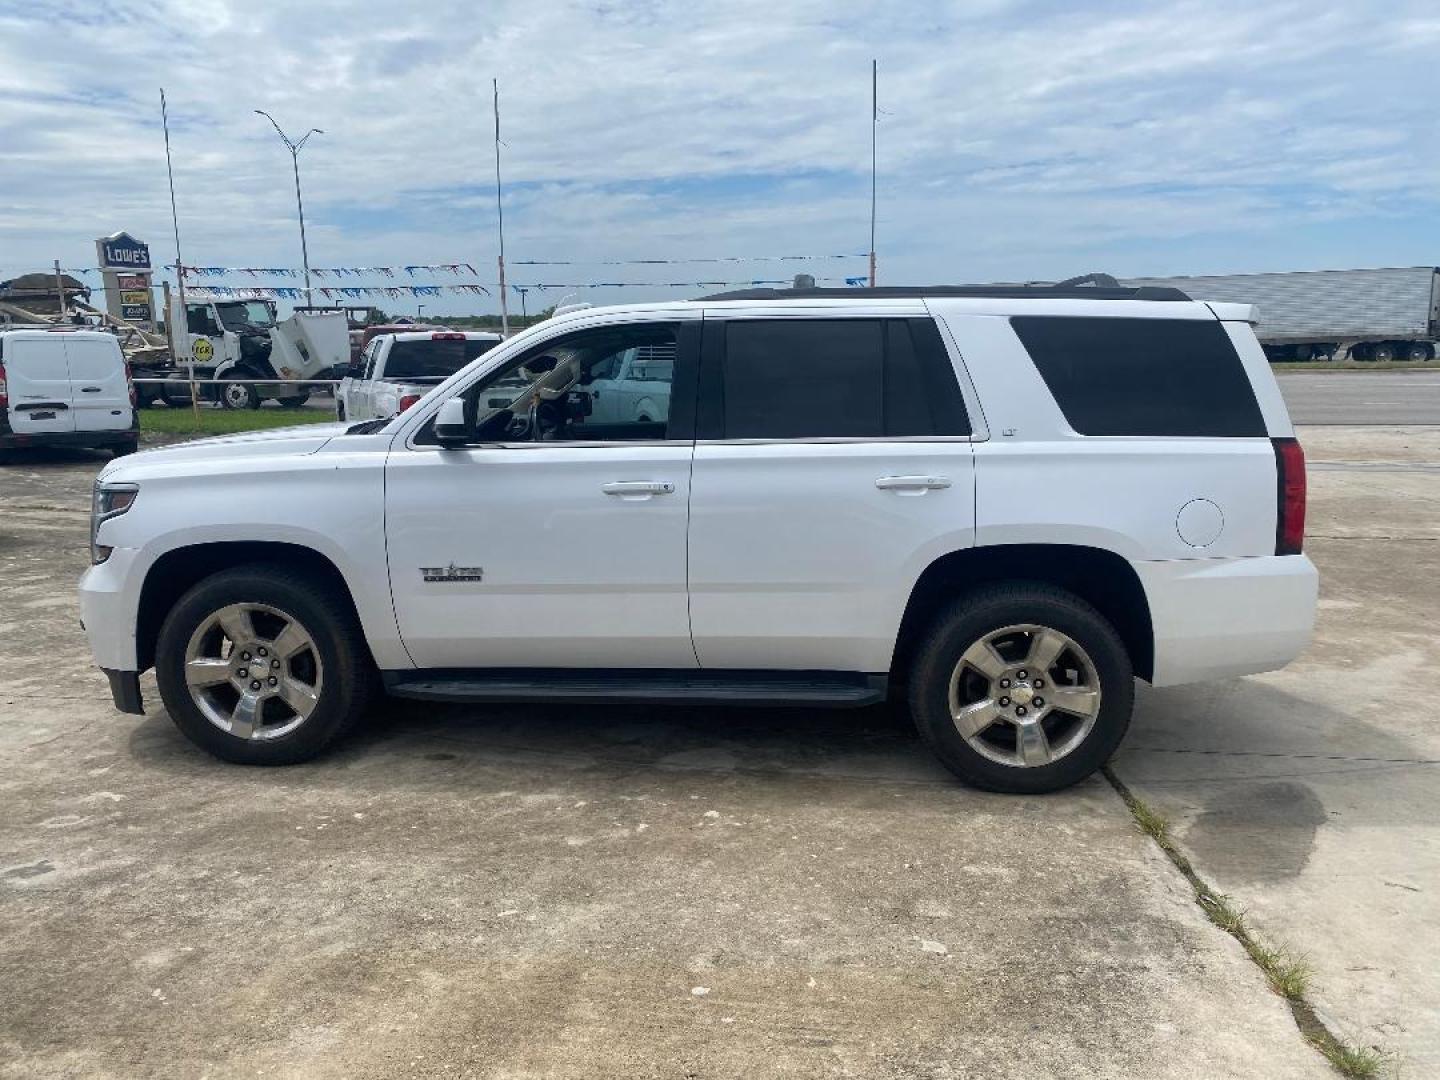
{"x": 1017, "y": 140}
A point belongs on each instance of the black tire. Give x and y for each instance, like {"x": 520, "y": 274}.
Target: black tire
{"x": 292, "y": 402}
{"x": 145, "y": 397}
{"x": 972, "y": 619}
{"x": 236, "y": 393}
{"x": 127, "y": 447}
{"x": 1382, "y": 352}
{"x": 347, "y": 687}
{"x": 339, "y": 410}
{"x": 1419, "y": 351}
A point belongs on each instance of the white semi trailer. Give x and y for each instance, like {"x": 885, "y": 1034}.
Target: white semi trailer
{"x": 1384, "y": 314}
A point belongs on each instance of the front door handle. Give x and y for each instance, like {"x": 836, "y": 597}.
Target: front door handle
{"x": 912, "y": 483}
{"x": 632, "y": 488}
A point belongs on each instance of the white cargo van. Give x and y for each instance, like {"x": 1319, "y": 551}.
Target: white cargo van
{"x": 65, "y": 387}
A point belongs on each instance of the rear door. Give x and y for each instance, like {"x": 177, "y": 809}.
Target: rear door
{"x": 39, "y": 384}
{"x": 832, "y": 465}
{"x": 100, "y": 394}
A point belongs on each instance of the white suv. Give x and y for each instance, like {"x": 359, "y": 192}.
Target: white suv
{"x": 999, "y": 505}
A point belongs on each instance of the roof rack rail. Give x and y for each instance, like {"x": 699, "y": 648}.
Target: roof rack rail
{"x": 1104, "y": 288}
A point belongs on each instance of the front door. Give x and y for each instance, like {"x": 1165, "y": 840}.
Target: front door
{"x": 555, "y": 541}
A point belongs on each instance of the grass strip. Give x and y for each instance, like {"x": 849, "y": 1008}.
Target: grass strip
{"x": 213, "y": 421}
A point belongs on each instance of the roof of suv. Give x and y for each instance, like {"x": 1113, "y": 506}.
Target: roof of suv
{"x": 993, "y": 292}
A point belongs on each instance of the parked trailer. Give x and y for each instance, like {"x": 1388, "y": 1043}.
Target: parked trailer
{"x": 1385, "y": 314}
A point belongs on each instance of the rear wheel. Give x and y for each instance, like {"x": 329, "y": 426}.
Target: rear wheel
{"x": 1419, "y": 351}
{"x": 262, "y": 667}
{"x": 1022, "y": 688}
{"x": 1382, "y": 352}
{"x": 129, "y": 446}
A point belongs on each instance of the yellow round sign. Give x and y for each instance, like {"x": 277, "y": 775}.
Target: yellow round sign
{"x": 202, "y": 350}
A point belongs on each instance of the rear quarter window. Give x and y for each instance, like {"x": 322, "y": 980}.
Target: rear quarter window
{"x": 1143, "y": 376}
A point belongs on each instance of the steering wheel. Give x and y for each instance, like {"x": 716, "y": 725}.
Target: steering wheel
{"x": 520, "y": 427}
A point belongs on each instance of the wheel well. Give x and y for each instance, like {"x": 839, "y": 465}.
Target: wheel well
{"x": 1103, "y": 579}
{"x": 175, "y": 572}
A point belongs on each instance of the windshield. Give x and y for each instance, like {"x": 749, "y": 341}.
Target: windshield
{"x": 433, "y": 359}
{"x": 241, "y": 315}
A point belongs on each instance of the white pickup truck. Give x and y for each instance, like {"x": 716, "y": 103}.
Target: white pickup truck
{"x": 397, "y": 370}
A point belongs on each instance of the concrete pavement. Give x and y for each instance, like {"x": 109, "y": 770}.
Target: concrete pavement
{"x": 579, "y": 892}
{"x": 1312, "y": 795}
{"x": 1387, "y": 398}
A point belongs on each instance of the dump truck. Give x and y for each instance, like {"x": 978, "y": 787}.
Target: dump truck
{"x": 1384, "y": 314}
{"x": 241, "y": 343}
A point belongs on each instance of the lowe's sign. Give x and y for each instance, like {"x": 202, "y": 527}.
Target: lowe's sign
{"x": 122, "y": 252}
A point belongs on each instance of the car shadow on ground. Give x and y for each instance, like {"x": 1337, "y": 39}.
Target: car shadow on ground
{"x": 403, "y": 738}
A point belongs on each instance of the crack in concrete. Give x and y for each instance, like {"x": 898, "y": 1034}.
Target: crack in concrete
{"x": 1313, "y": 1029}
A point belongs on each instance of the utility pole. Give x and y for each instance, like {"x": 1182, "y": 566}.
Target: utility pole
{"x": 173, "y": 332}
{"x": 500, "y": 217}
{"x": 295, "y": 148}
{"x": 874, "y": 128}
{"x": 60, "y": 291}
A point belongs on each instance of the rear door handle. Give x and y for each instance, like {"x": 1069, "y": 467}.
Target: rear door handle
{"x": 632, "y": 488}
{"x": 912, "y": 483}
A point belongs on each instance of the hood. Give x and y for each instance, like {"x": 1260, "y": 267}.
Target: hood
{"x": 303, "y": 439}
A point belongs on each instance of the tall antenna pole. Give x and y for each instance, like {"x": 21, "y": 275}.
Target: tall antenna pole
{"x": 500, "y": 215}
{"x": 175, "y": 332}
{"x": 874, "y": 128}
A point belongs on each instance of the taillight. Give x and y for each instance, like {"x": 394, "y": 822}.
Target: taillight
{"x": 130, "y": 384}
{"x": 1289, "y": 496}
{"x": 447, "y": 337}
{"x": 407, "y": 400}
{"x": 4, "y": 389}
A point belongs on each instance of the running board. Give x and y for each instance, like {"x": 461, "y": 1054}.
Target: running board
{"x": 827, "y": 689}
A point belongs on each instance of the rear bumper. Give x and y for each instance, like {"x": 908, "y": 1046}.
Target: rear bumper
{"x": 1219, "y": 618}
{"x": 9, "y": 440}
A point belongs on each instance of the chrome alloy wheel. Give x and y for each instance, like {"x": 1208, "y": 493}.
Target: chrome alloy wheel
{"x": 253, "y": 671}
{"x": 1024, "y": 695}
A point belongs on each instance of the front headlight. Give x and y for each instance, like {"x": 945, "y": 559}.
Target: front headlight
{"x": 107, "y": 501}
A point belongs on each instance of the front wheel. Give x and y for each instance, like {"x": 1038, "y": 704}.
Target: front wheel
{"x": 1022, "y": 688}
{"x": 236, "y": 394}
{"x": 260, "y": 666}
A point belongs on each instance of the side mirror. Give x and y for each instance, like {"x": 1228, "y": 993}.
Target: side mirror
{"x": 451, "y": 428}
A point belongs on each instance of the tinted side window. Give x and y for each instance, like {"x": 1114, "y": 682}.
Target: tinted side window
{"x": 1143, "y": 376}
{"x": 835, "y": 378}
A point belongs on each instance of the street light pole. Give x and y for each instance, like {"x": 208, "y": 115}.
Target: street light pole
{"x": 295, "y": 148}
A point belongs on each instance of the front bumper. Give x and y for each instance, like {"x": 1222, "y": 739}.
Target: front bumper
{"x": 107, "y": 611}
{"x": 1219, "y": 618}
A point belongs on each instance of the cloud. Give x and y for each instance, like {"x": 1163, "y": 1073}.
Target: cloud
{"x": 1018, "y": 139}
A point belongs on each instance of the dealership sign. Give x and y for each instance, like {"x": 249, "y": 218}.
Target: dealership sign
{"x": 125, "y": 266}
